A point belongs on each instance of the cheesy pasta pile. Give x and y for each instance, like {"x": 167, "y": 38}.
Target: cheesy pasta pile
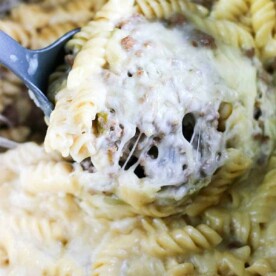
{"x": 104, "y": 195}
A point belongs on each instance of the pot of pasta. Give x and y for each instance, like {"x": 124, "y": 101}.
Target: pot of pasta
{"x": 159, "y": 157}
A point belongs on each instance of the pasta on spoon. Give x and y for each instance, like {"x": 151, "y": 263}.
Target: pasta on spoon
{"x": 161, "y": 108}
{"x": 59, "y": 210}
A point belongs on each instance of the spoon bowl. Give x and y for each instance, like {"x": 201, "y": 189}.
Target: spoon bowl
{"x": 34, "y": 67}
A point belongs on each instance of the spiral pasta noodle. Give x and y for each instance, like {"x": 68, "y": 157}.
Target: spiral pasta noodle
{"x": 83, "y": 109}
{"x": 72, "y": 11}
{"x": 164, "y": 9}
{"x": 262, "y": 267}
{"x": 238, "y": 225}
{"x": 41, "y": 229}
{"x": 49, "y": 34}
{"x": 30, "y": 17}
{"x": 229, "y": 10}
{"x": 57, "y": 81}
{"x": 60, "y": 182}
{"x": 103, "y": 207}
{"x": 181, "y": 269}
{"x": 225, "y": 30}
{"x": 264, "y": 201}
{"x": 16, "y": 31}
{"x": 28, "y": 154}
{"x": 263, "y": 20}
{"x": 164, "y": 241}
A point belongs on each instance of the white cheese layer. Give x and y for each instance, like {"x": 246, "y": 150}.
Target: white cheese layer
{"x": 163, "y": 97}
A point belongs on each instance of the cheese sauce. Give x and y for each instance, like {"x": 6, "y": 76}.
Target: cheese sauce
{"x": 163, "y": 96}
{"x": 167, "y": 105}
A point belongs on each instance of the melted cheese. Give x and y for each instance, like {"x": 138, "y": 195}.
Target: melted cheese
{"x": 167, "y": 105}
{"x": 156, "y": 77}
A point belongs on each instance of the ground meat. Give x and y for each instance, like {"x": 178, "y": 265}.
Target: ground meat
{"x": 234, "y": 244}
{"x": 261, "y": 138}
{"x": 128, "y": 43}
{"x": 87, "y": 165}
{"x": 201, "y": 39}
{"x": 177, "y": 19}
{"x": 69, "y": 59}
{"x": 250, "y": 53}
{"x": 140, "y": 72}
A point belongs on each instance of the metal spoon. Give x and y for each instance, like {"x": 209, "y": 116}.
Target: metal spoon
{"x": 34, "y": 67}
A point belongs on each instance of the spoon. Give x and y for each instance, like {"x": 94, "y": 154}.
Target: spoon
{"x": 34, "y": 67}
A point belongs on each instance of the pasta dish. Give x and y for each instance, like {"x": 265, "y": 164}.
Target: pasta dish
{"x": 159, "y": 156}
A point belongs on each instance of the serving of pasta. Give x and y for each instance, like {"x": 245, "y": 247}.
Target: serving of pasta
{"x": 159, "y": 157}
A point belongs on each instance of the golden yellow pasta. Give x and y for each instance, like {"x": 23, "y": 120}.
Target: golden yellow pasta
{"x": 16, "y": 31}
{"x": 230, "y": 10}
{"x": 49, "y": 34}
{"x": 263, "y": 20}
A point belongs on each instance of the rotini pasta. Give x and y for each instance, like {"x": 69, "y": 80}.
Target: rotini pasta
{"x": 59, "y": 183}
{"x": 164, "y": 9}
{"x": 30, "y": 16}
{"x": 41, "y": 229}
{"x": 49, "y": 34}
{"x": 28, "y": 154}
{"x": 229, "y": 10}
{"x": 226, "y": 31}
{"x": 95, "y": 210}
{"x": 263, "y": 20}
{"x": 238, "y": 226}
{"x": 162, "y": 241}
{"x": 16, "y": 31}
{"x": 184, "y": 269}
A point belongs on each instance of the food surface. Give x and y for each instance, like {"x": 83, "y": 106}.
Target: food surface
{"x": 159, "y": 157}
{"x": 157, "y": 113}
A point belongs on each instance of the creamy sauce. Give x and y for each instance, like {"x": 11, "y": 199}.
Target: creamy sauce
{"x": 160, "y": 114}
{"x": 158, "y": 78}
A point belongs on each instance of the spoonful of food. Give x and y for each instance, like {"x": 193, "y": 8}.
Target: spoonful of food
{"x": 34, "y": 67}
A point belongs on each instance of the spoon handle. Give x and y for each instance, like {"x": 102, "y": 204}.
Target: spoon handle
{"x": 23, "y": 63}
{"x": 13, "y": 55}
